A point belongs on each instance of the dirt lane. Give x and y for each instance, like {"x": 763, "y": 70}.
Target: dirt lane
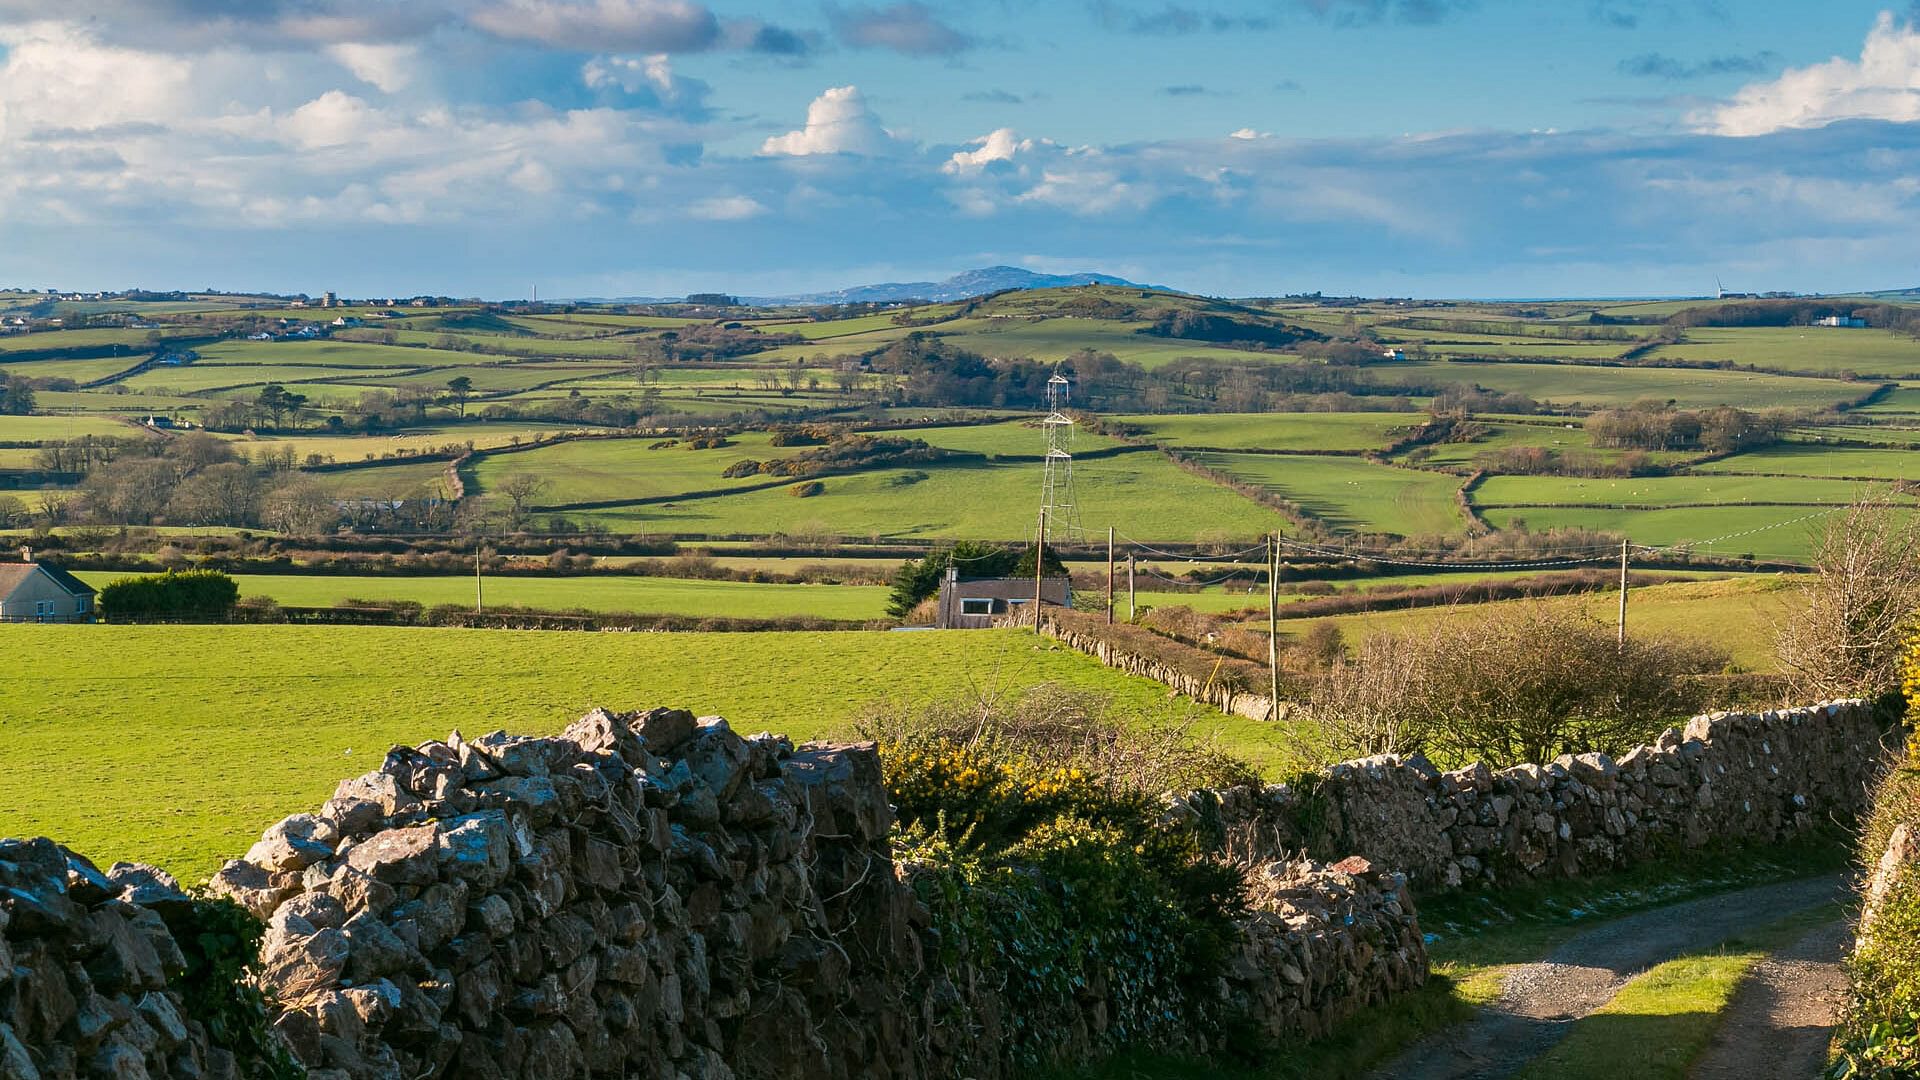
{"x": 1781, "y": 1019}
{"x": 1538, "y": 1000}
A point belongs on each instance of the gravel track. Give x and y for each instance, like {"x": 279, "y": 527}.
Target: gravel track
{"x": 1538, "y": 1001}
{"x": 1781, "y": 1018}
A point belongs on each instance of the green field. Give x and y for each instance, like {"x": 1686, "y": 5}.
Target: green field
{"x": 178, "y": 744}
{"x": 603, "y": 593}
{"x": 1739, "y": 615}
{"x": 44, "y": 428}
{"x": 1767, "y": 532}
{"x": 1142, "y": 495}
{"x": 1822, "y": 461}
{"x": 135, "y": 340}
{"x": 1658, "y": 491}
{"x": 1351, "y": 494}
{"x": 1821, "y": 349}
{"x": 1278, "y": 431}
{"x": 1603, "y": 387}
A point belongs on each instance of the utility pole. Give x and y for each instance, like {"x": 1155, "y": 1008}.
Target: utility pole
{"x": 1132, "y": 612}
{"x": 1109, "y": 575}
{"x": 1039, "y": 567}
{"x": 1273, "y": 624}
{"x": 478, "y": 590}
{"x": 1623, "y": 592}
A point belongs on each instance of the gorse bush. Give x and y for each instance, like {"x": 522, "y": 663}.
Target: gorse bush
{"x": 1047, "y": 875}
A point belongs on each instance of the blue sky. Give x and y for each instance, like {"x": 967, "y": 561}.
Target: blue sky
{"x": 1244, "y": 147}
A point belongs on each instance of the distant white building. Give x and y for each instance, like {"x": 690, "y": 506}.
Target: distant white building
{"x": 1850, "y": 321}
{"x": 1393, "y": 354}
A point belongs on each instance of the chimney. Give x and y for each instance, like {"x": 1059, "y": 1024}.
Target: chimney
{"x": 26, "y": 553}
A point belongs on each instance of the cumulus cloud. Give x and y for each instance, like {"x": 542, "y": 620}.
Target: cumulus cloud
{"x": 838, "y": 122}
{"x": 1000, "y": 145}
{"x": 600, "y": 25}
{"x": 1883, "y": 84}
{"x": 386, "y": 67}
{"x": 911, "y": 28}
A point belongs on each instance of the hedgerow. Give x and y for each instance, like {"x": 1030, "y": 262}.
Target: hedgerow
{"x": 1879, "y": 1033}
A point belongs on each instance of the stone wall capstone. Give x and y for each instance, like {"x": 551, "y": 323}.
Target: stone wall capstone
{"x": 1725, "y": 777}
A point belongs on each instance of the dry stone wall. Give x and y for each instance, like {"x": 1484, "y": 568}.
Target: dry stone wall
{"x": 88, "y": 958}
{"x": 1725, "y": 777}
{"x": 651, "y": 895}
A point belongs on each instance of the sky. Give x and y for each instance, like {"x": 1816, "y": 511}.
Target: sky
{"x": 1431, "y": 148}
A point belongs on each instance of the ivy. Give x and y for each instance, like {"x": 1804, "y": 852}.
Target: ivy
{"x": 220, "y": 940}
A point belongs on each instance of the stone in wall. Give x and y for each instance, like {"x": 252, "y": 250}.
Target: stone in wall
{"x": 1725, "y": 777}
{"x": 88, "y": 956}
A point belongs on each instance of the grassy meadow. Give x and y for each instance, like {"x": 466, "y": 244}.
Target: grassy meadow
{"x": 200, "y": 736}
{"x": 600, "y": 593}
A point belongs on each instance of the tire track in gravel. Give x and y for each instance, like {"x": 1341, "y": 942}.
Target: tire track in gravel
{"x": 1538, "y": 1000}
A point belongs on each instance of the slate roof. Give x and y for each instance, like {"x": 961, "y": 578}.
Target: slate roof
{"x": 12, "y": 574}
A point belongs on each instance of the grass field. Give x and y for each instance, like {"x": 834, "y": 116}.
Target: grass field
{"x": 1278, "y": 431}
{"x": 1601, "y": 387}
{"x": 1903, "y": 464}
{"x": 1143, "y": 495}
{"x": 44, "y": 428}
{"x": 197, "y": 737}
{"x": 606, "y": 593}
{"x": 1352, "y": 494}
{"x": 1821, "y": 349}
{"x": 1739, "y": 614}
{"x": 1658, "y": 491}
{"x": 136, "y": 340}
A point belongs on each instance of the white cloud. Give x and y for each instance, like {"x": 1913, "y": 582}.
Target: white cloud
{"x": 1250, "y": 134}
{"x": 388, "y": 68}
{"x": 600, "y": 25}
{"x": 838, "y": 122}
{"x": 1884, "y": 84}
{"x": 727, "y": 208}
{"x": 1000, "y": 145}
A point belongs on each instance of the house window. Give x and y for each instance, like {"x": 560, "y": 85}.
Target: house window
{"x": 80, "y": 605}
{"x": 976, "y": 605}
{"x": 43, "y": 609}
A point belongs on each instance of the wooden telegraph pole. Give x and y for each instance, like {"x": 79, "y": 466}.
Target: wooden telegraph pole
{"x": 479, "y": 594}
{"x": 1109, "y": 575}
{"x": 1623, "y": 592}
{"x": 1273, "y": 623}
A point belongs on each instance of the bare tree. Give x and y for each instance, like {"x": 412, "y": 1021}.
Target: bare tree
{"x": 521, "y": 489}
{"x": 1845, "y": 639}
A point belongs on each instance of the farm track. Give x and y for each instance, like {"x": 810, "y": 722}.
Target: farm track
{"x": 1540, "y": 1000}
{"x": 1781, "y": 1018}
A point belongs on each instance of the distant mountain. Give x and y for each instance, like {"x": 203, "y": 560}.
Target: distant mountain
{"x": 965, "y": 286}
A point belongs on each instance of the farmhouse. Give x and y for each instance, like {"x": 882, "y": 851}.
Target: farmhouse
{"x": 36, "y": 592}
{"x": 975, "y": 603}
{"x": 1853, "y": 322}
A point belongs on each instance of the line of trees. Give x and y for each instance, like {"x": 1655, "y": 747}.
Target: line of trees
{"x": 1652, "y": 425}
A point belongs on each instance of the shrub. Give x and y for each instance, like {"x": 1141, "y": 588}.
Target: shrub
{"x": 1046, "y": 871}
{"x": 1879, "y": 1030}
{"x": 184, "y": 592}
{"x": 1520, "y": 682}
{"x": 1847, "y": 638}
{"x": 807, "y": 490}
